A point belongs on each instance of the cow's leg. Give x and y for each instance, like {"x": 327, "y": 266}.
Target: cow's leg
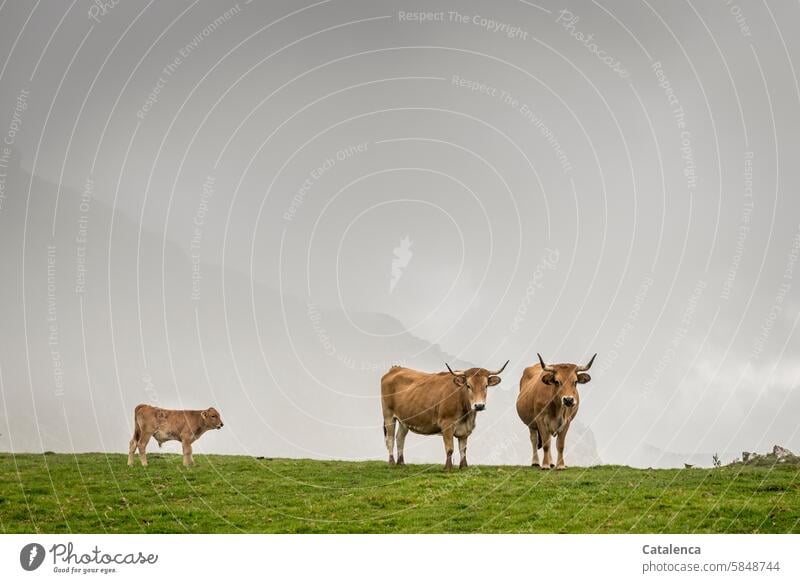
{"x": 462, "y": 452}
{"x": 535, "y": 446}
{"x": 187, "y": 452}
{"x": 447, "y": 435}
{"x": 402, "y": 431}
{"x": 545, "y": 435}
{"x": 143, "y": 439}
{"x": 388, "y": 434}
{"x": 562, "y": 437}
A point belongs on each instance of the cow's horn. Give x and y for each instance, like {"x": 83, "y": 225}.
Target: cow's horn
{"x": 544, "y": 366}
{"x": 502, "y": 368}
{"x": 451, "y": 371}
{"x": 588, "y": 366}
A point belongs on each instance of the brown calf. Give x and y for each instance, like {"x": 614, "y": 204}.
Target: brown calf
{"x": 169, "y": 424}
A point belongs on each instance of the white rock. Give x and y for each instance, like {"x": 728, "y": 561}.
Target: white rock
{"x": 781, "y": 452}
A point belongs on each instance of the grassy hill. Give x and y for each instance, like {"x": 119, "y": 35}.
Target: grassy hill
{"x": 58, "y": 493}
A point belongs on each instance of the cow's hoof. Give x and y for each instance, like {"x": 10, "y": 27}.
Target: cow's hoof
{"x": 535, "y": 465}
{"x": 552, "y": 466}
{"x": 401, "y": 461}
{"x": 391, "y": 460}
{"x": 561, "y": 467}
{"x": 545, "y": 468}
{"x": 463, "y": 465}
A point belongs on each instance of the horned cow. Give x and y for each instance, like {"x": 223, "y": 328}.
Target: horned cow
{"x": 547, "y": 403}
{"x": 443, "y": 403}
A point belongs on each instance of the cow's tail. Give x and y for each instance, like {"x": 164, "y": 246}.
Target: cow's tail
{"x": 538, "y": 440}
{"x": 137, "y": 431}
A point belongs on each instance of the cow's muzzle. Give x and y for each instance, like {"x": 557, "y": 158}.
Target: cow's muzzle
{"x": 220, "y": 426}
{"x": 480, "y": 406}
{"x": 568, "y": 401}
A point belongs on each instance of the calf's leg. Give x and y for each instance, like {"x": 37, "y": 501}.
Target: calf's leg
{"x": 402, "y": 431}
{"x": 143, "y": 439}
{"x": 133, "y": 444}
{"x": 187, "y": 452}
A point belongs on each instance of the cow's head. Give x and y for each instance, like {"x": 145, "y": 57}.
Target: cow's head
{"x": 565, "y": 378}
{"x": 212, "y": 419}
{"x": 475, "y": 381}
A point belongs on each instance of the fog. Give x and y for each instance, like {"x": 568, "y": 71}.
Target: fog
{"x": 262, "y": 206}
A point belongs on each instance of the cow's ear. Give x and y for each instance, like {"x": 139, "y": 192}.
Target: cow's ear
{"x": 494, "y": 381}
{"x": 203, "y": 414}
{"x": 583, "y": 378}
{"x": 549, "y": 378}
{"x": 460, "y": 380}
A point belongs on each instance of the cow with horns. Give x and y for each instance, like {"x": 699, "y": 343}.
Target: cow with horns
{"x": 547, "y": 403}
{"x": 443, "y": 403}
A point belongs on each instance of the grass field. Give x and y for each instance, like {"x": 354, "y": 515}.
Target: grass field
{"x": 90, "y": 493}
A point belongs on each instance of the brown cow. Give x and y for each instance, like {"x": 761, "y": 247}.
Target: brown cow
{"x": 443, "y": 403}
{"x": 548, "y": 402}
{"x": 169, "y": 424}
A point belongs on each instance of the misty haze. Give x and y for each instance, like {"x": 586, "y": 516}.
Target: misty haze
{"x": 262, "y": 207}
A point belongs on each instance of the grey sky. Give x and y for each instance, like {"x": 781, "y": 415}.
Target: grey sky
{"x": 249, "y": 173}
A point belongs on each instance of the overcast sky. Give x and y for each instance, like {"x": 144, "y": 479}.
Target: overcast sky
{"x": 263, "y": 205}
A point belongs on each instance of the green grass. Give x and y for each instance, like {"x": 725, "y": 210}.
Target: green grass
{"x": 89, "y": 493}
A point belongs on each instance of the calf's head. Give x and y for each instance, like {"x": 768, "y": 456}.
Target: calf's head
{"x": 212, "y": 419}
{"x": 565, "y": 378}
{"x": 475, "y": 381}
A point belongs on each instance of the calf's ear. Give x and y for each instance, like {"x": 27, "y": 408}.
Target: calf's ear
{"x": 583, "y": 378}
{"x": 203, "y": 414}
{"x": 494, "y": 381}
{"x": 460, "y": 380}
{"x": 549, "y": 378}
